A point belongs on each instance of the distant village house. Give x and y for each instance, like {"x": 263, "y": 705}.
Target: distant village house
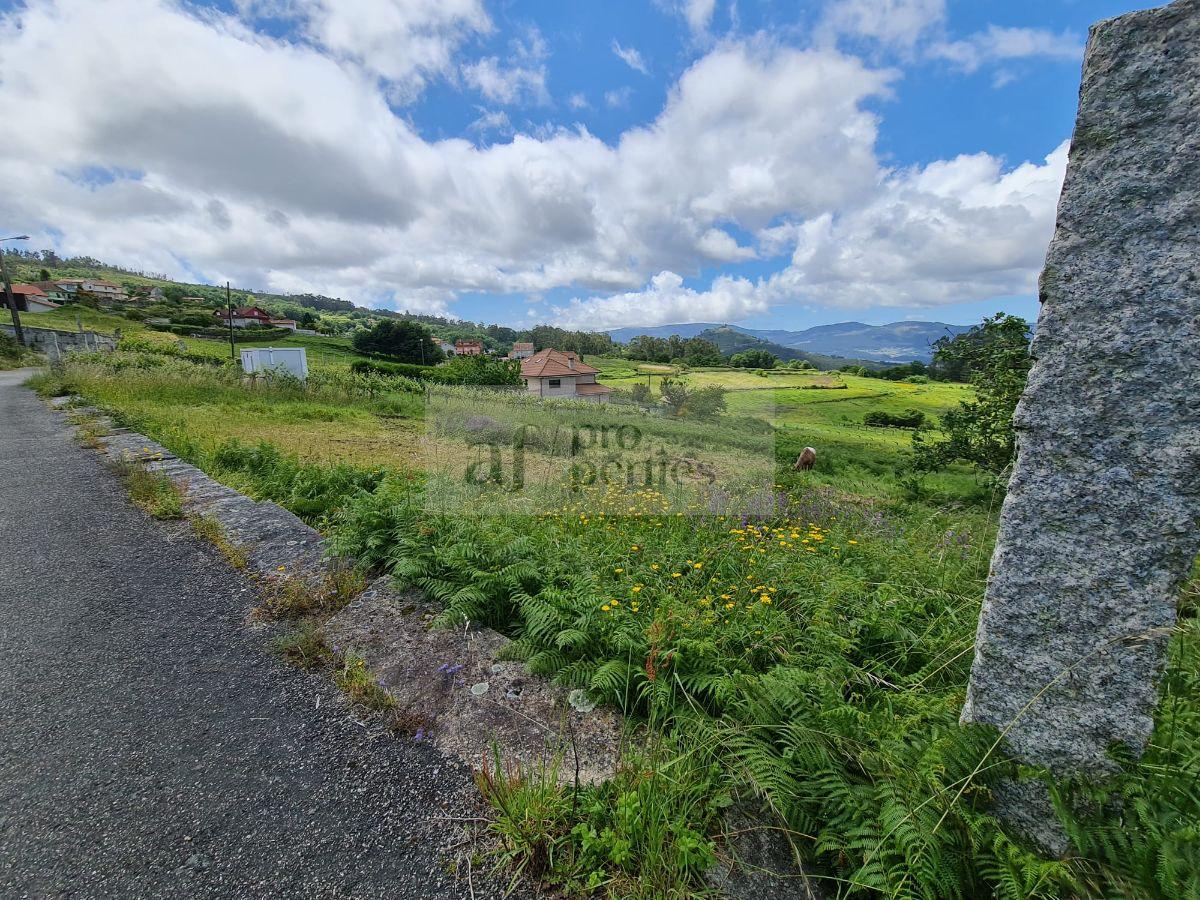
{"x": 521, "y": 350}
{"x": 250, "y": 316}
{"x": 555, "y": 373}
{"x": 446, "y": 347}
{"x": 468, "y": 348}
{"x": 63, "y": 289}
{"x": 32, "y": 299}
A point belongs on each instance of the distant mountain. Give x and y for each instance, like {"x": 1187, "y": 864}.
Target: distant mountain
{"x": 895, "y": 343}
{"x": 625, "y": 335}
{"x": 730, "y": 340}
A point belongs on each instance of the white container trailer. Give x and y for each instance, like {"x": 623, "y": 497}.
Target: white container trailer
{"x": 290, "y": 360}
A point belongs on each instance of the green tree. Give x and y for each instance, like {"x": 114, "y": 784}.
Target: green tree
{"x": 753, "y": 359}
{"x": 684, "y": 402}
{"x": 399, "y": 339}
{"x": 994, "y": 355}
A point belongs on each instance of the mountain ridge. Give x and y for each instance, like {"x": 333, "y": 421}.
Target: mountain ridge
{"x": 896, "y": 342}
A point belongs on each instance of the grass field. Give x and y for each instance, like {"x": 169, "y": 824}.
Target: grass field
{"x": 323, "y": 350}
{"x": 812, "y": 650}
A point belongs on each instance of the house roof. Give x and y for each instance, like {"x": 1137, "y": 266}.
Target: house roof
{"x": 522, "y": 345}
{"x": 29, "y": 290}
{"x": 468, "y": 343}
{"x": 593, "y": 389}
{"x": 243, "y": 312}
{"x": 551, "y": 363}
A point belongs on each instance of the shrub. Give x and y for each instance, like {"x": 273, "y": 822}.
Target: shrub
{"x": 380, "y": 367}
{"x": 909, "y": 418}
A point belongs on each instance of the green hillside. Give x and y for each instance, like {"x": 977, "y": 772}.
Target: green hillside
{"x": 730, "y": 341}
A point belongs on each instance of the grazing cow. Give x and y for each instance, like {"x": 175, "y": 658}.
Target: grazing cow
{"x": 805, "y": 460}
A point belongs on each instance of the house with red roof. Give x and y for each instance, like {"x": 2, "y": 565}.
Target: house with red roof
{"x": 521, "y": 350}
{"x": 32, "y": 299}
{"x": 249, "y": 316}
{"x": 558, "y": 373}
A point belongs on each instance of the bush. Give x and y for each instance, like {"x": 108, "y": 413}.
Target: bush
{"x": 379, "y": 367}
{"x": 910, "y": 418}
{"x": 476, "y": 370}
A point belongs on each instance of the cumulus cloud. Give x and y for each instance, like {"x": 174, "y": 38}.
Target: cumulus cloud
{"x": 996, "y": 44}
{"x": 953, "y": 231}
{"x": 665, "y": 299}
{"x": 281, "y": 164}
{"x": 406, "y": 42}
{"x": 631, "y": 57}
{"x": 893, "y": 22}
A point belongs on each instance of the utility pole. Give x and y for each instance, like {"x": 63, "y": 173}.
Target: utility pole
{"x": 8, "y": 294}
{"x": 229, "y": 310}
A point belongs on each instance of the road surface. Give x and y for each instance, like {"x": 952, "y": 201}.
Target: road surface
{"x": 150, "y": 744}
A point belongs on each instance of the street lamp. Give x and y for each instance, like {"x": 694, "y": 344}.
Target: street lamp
{"x": 12, "y": 304}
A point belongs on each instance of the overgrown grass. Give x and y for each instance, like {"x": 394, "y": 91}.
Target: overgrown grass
{"x": 153, "y": 492}
{"x": 815, "y": 655}
{"x": 644, "y": 833}
{"x": 209, "y": 529}
{"x": 300, "y": 598}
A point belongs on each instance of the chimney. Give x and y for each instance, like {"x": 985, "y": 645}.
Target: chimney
{"x": 571, "y": 362}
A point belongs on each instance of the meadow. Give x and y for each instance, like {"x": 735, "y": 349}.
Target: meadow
{"x": 804, "y": 659}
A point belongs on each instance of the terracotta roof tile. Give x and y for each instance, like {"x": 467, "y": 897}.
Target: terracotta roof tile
{"x": 551, "y": 363}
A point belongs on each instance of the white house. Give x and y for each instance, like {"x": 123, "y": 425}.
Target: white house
{"x": 31, "y": 299}
{"x": 554, "y": 373}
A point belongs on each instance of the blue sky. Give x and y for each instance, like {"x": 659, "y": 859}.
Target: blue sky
{"x": 589, "y": 164}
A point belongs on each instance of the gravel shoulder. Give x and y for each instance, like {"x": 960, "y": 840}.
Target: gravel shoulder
{"x": 151, "y": 744}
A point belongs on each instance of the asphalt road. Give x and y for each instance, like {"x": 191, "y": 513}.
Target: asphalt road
{"x": 150, "y": 744}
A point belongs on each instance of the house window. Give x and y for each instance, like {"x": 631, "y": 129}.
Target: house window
{"x": 555, "y": 382}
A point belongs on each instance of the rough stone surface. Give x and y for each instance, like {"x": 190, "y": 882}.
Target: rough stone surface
{"x": 1100, "y": 526}
{"x": 757, "y": 861}
{"x": 435, "y": 675}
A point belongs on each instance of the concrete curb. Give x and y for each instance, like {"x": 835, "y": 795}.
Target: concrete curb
{"x": 459, "y": 696}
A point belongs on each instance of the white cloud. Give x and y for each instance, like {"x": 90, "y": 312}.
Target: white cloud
{"x": 521, "y": 80}
{"x": 577, "y": 101}
{"x": 996, "y": 43}
{"x": 505, "y": 84}
{"x": 953, "y": 231}
{"x": 698, "y": 14}
{"x": 406, "y": 42}
{"x": 631, "y": 57}
{"x": 617, "y": 97}
{"x": 665, "y": 300}
{"x": 900, "y": 23}
{"x": 280, "y": 165}
{"x": 492, "y": 120}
